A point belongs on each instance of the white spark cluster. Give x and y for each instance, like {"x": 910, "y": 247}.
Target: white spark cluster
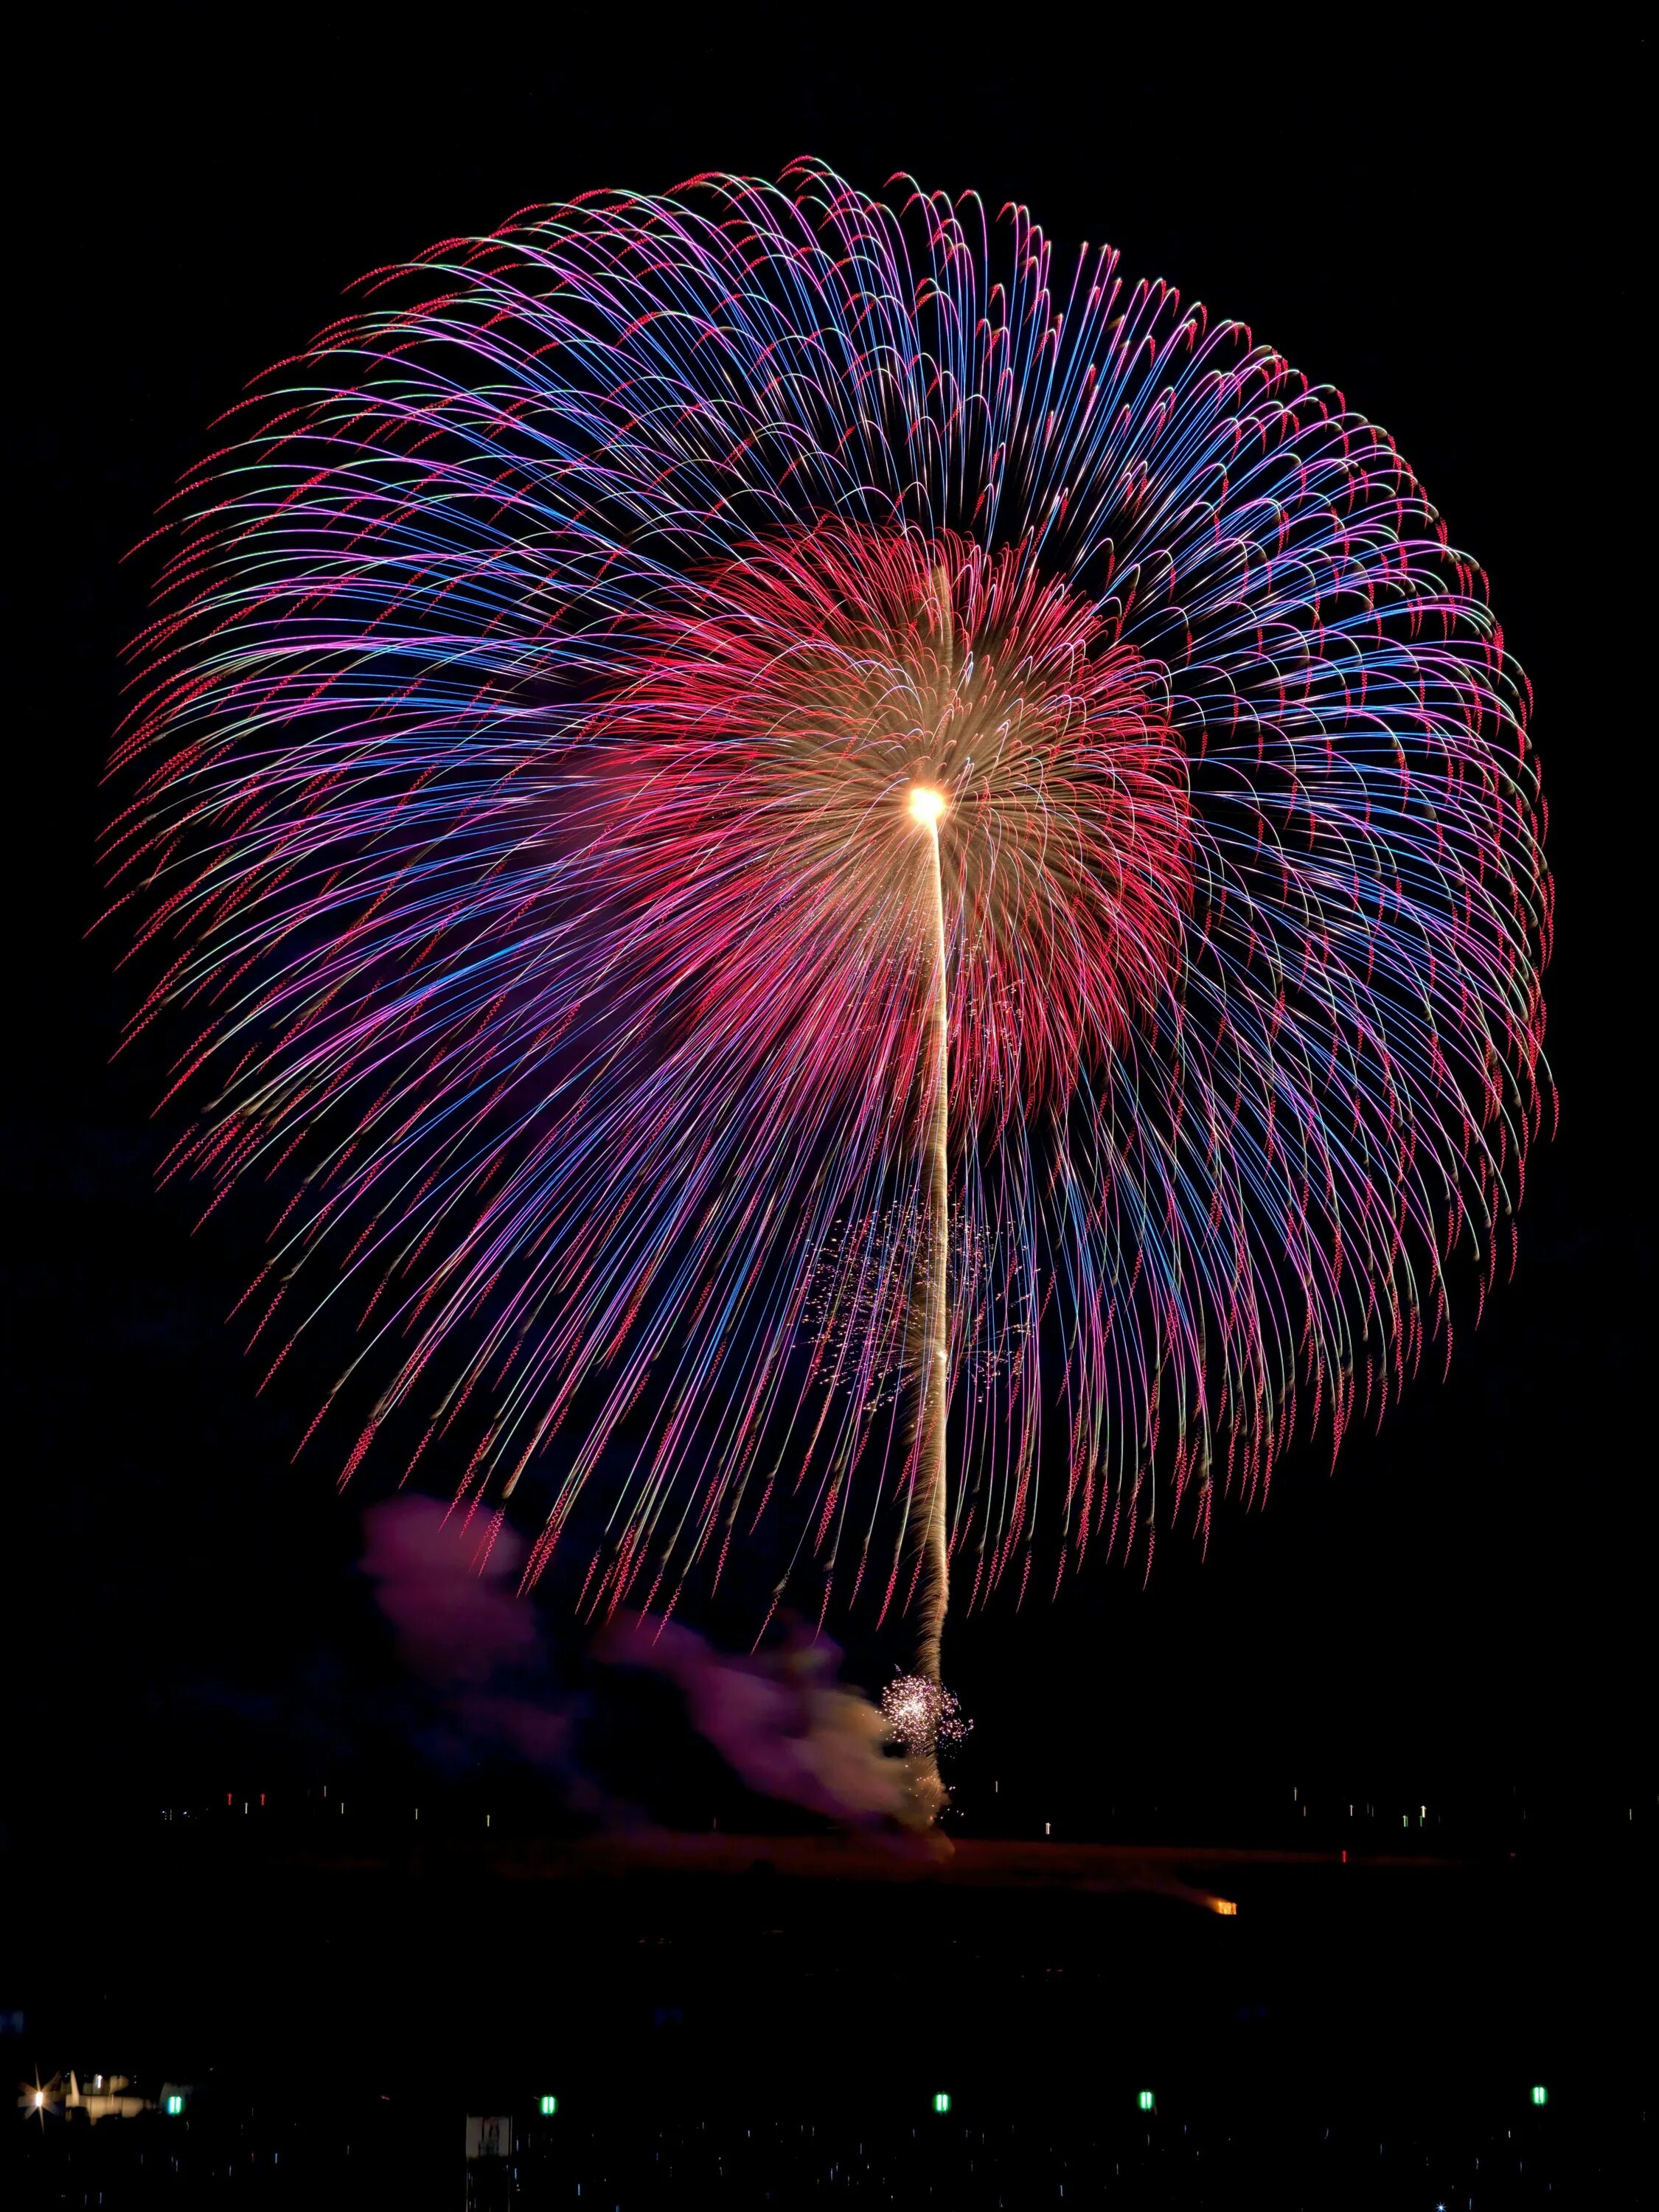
{"x": 925, "y": 1717}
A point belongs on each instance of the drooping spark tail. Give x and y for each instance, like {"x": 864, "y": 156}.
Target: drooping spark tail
{"x": 516, "y": 807}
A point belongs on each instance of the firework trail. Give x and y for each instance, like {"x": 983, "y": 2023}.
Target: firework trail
{"x": 704, "y": 764}
{"x": 928, "y": 806}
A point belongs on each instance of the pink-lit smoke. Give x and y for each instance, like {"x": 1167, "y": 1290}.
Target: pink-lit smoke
{"x": 783, "y": 1722}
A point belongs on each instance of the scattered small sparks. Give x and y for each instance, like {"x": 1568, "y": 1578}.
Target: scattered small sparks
{"x": 925, "y": 1717}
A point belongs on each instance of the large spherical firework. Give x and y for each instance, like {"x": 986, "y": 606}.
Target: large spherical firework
{"x": 789, "y": 841}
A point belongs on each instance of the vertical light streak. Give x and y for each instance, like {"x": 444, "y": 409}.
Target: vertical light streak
{"x": 928, "y": 805}
{"x": 934, "y": 1382}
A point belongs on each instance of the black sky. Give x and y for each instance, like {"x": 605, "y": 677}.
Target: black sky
{"x": 1445, "y": 228}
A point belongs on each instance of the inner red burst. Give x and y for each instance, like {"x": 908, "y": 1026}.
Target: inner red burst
{"x": 765, "y": 755}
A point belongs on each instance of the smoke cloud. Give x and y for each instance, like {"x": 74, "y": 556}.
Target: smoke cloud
{"x": 452, "y": 1607}
{"x": 782, "y": 1721}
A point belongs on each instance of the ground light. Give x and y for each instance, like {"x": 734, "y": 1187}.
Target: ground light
{"x": 941, "y": 2102}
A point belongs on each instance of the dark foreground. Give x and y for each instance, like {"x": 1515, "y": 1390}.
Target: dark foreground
{"x": 751, "y": 2022}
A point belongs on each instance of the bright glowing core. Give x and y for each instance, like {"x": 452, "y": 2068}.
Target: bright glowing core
{"x": 927, "y": 804}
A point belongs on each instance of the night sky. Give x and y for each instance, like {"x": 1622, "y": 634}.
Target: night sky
{"x": 1445, "y": 234}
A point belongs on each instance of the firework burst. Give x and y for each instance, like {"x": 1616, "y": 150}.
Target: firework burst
{"x": 923, "y": 1716}
{"x": 785, "y": 840}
